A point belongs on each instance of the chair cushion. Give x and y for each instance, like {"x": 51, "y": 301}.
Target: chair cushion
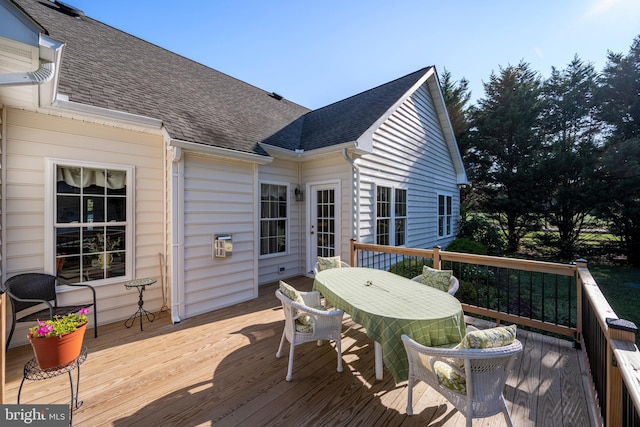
{"x": 291, "y": 292}
{"x": 439, "y": 279}
{"x": 489, "y": 338}
{"x": 476, "y": 339}
{"x": 303, "y": 323}
{"x": 325, "y": 263}
{"x": 305, "y": 328}
{"x": 448, "y": 377}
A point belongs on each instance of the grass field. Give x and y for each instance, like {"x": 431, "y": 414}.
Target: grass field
{"x": 616, "y": 283}
{"x": 603, "y": 252}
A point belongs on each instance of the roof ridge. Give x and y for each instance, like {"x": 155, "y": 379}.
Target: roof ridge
{"x": 421, "y": 70}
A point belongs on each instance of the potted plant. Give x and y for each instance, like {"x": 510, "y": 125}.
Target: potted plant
{"x": 58, "y": 341}
{"x": 102, "y": 243}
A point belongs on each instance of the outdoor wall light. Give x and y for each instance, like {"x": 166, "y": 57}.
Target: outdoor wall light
{"x": 299, "y": 194}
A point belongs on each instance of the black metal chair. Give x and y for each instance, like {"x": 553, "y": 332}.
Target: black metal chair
{"x": 31, "y": 289}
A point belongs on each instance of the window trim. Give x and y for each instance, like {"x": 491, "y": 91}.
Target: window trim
{"x": 392, "y": 210}
{"x": 50, "y": 217}
{"x": 450, "y": 216}
{"x": 287, "y": 219}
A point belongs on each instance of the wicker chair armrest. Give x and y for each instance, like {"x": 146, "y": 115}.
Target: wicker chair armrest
{"x": 315, "y": 312}
{"x": 467, "y": 353}
{"x": 453, "y": 286}
{"x": 454, "y": 283}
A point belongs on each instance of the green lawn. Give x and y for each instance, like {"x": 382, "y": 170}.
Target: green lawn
{"x": 614, "y": 282}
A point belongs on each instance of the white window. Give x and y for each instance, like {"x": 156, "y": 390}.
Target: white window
{"x": 400, "y": 216}
{"x": 391, "y": 209}
{"x": 273, "y": 218}
{"x": 92, "y": 224}
{"x": 445, "y": 216}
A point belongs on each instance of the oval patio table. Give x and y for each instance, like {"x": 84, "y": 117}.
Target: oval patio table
{"x": 387, "y": 306}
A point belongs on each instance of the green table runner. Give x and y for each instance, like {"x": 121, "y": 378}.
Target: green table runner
{"x": 388, "y": 305}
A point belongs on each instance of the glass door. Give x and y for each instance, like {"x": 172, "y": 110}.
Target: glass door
{"x": 324, "y": 233}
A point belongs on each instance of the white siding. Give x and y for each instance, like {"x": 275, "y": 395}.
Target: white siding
{"x": 219, "y": 198}
{"x": 285, "y": 172}
{"x": 409, "y": 151}
{"x": 18, "y": 58}
{"x": 30, "y": 139}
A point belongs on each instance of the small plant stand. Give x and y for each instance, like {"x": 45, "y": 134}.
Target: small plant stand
{"x": 33, "y": 372}
{"x": 139, "y": 284}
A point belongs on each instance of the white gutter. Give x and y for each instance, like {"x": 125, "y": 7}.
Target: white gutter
{"x": 46, "y": 76}
{"x": 355, "y": 234}
{"x": 62, "y": 103}
{"x": 220, "y": 152}
{"x": 310, "y": 154}
{"x": 50, "y": 52}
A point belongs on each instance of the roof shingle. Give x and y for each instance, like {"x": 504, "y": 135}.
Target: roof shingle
{"x": 108, "y": 68}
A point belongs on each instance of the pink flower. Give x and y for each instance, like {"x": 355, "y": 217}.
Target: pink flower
{"x": 44, "y": 328}
{"x": 83, "y": 311}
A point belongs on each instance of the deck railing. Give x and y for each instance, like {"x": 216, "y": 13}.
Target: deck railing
{"x": 560, "y": 299}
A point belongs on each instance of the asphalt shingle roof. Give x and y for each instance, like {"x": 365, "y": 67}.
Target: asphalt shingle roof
{"x": 105, "y": 67}
{"x": 346, "y": 120}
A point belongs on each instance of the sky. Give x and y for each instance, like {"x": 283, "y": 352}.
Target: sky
{"x": 316, "y": 52}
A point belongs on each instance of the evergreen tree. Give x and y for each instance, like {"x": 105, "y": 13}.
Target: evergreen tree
{"x": 508, "y": 148}
{"x": 619, "y": 99}
{"x": 619, "y": 96}
{"x": 569, "y": 167}
{"x": 456, "y": 96}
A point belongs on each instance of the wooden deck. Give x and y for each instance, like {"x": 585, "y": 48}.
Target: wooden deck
{"x": 220, "y": 369}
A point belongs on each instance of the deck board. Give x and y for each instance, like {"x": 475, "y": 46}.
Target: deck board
{"x": 220, "y": 369}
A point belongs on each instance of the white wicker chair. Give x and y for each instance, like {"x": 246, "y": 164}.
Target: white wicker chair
{"x": 453, "y": 285}
{"x": 327, "y": 325}
{"x": 485, "y": 372}
{"x": 316, "y": 267}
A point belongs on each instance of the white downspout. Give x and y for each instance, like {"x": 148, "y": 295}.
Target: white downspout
{"x": 3, "y": 196}
{"x": 177, "y": 235}
{"x": 37, "y": 77}
{"x": 50, "y": 59}
{"x": 302, "y": 228}
{"x": 355, "y": 234}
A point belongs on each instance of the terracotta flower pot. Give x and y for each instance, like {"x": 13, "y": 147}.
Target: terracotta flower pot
{"x": 56, "y": 351}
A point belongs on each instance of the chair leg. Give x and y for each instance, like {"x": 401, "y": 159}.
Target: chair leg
{"x": 95, "y": 321}
{"x": 339, "y": 350}
{"x": 410, "y": 396}
{"x": 279, "y": 353}
{"x": 290, "y": 368}
{"x": 13, "y": 328}
{"x": 507, "y": 418}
